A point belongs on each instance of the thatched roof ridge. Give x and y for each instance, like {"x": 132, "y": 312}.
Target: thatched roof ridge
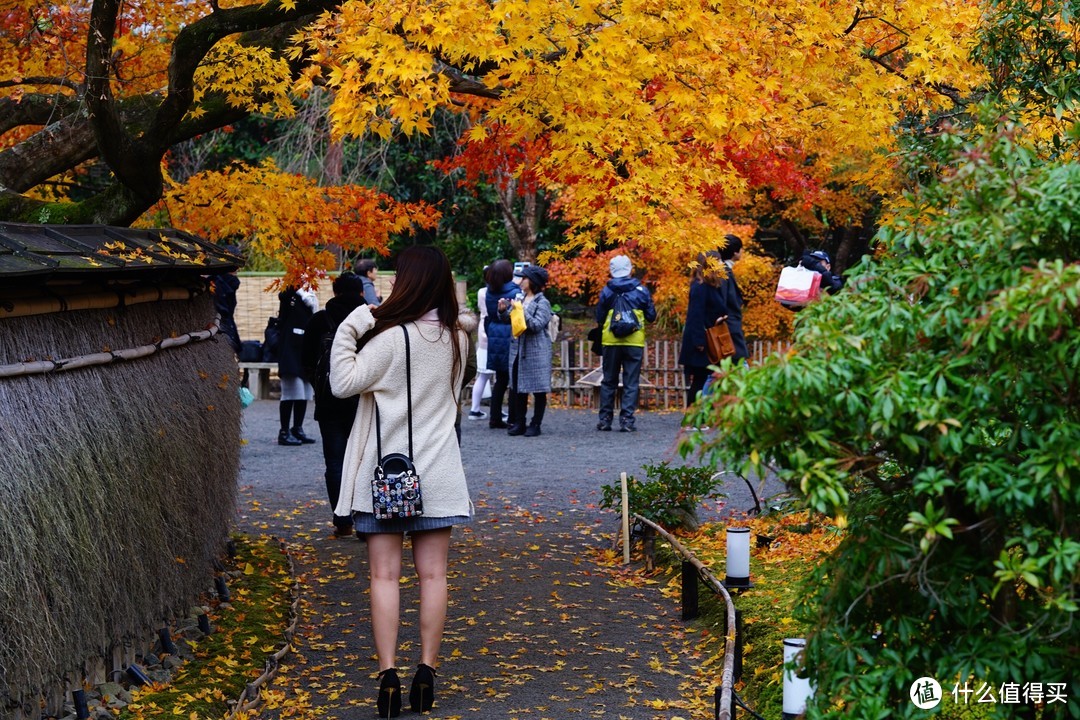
{"x": 36, "y": 254}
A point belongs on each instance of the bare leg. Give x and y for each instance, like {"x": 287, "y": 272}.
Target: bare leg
{"x": 430, "y": 551}
{"x": 384, "y": 562}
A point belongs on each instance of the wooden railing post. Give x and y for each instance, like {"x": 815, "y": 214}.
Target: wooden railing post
{"x": 689, "y": 591}
{"x": 569, "y": 351}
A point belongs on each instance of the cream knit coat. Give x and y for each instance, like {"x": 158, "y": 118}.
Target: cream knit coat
{"x": 377, "y": 372}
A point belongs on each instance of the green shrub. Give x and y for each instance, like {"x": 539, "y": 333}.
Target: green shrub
{"x": 670, "y": 497}
{"x": 934, "y": 405}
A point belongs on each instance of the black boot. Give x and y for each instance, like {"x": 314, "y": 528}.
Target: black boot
{"x": 539, "y": 407}
{"x": 518, "y": 408}
{"x": 299, "y": 434}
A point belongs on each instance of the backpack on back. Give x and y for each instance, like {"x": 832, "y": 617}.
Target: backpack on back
{"x": 624, "y": 321}
{"x": 270, "y": 340}
{"x": 321, "y": 382}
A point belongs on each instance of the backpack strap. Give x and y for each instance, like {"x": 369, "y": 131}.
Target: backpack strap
{"x": 408, "y": 395}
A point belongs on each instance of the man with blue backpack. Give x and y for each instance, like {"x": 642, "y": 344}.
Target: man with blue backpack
{"x": 624, "y": 308}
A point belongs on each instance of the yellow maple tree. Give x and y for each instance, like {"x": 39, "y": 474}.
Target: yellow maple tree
{"x": 649, "y": 109}
{"x": 639, "y": 101}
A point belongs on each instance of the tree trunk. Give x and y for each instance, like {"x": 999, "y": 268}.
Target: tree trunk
{"x": 333, "y": 163}
{"x": 521, "y": 228}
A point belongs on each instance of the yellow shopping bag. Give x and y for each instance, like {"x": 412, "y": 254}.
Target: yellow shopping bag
{"x": 517, "y": 318}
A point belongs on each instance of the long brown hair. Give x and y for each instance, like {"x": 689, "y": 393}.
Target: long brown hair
{"x": 423, "y": 281}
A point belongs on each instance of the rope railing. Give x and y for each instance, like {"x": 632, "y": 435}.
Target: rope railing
{"x": 725, "y": 696}
{"x": 39, "y": 367}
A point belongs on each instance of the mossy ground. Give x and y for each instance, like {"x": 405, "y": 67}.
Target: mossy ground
{"x": 245, "y": 631}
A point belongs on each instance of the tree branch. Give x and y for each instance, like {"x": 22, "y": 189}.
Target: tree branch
{"x": 130, "y": 159}
{"x": 40, "y": 80}
{"x": 196, "y": 40}
{"x": 459, "y": 83}
{"x": 34, "y": 109}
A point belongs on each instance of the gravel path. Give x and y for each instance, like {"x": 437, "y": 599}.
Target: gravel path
{"x": 539, "y": 626}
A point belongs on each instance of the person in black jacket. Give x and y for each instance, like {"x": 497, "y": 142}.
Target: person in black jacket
{"x": 704, "y": 309}
{"x": 819, "y": 262}
{"x": 295, "y": 310}
{"x": 334, "y": 415}
{"x": 224, "y": 287}
{"x": 732, "y": 297}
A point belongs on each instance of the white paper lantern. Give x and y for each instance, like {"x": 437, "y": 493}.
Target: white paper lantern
{"x": 797, "y": 690}
{"x": 738, "y": 558}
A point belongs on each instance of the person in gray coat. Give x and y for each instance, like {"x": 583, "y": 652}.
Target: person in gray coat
{"x": 530, "y": 353}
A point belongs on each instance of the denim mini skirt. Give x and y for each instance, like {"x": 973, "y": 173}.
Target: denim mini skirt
{"x": 366, "y": 523}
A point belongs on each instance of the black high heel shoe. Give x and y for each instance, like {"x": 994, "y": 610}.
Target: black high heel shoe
{"x": 422, "y": 692}
{"x": 389, "y": 702}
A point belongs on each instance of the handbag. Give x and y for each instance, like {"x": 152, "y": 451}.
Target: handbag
{"x": 395, "y": 489}
{"x": 798, "y": 286}
{"x": 517, "y": 319}
{"x": 718, "y": 342}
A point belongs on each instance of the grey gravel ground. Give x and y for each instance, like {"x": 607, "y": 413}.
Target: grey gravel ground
{"x": 539, "y": 626}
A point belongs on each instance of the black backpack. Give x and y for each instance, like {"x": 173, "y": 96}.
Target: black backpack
{"x": 321, "y": 382}
{"x": 250, "y": 351}
{"x": 270, "y": 341}
{"x": 624, "y": 321}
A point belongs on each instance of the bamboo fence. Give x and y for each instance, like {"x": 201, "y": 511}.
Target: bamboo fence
{"x": 576, "y": 373}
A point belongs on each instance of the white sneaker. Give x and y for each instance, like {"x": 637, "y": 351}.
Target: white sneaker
{"x": 477, "y": 415}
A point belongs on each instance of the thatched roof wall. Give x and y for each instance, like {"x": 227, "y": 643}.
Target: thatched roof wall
{"x": 118, "y": 481}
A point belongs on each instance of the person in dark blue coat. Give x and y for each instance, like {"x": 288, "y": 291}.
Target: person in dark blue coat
{"x": 704, "y": 309}
{"x": 296, "y": 308}
{"x": 224, "y": 287}
{"x": 732, "y": 297}
{"x": 500, "y": 286}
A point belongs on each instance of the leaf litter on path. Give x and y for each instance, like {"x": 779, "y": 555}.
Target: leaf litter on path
{"x": 541, "y": 624}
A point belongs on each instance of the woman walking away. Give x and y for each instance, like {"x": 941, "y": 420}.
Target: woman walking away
{"x": 500, "y": 286}
{"x": 334, "y": 415}
{"x": 704, "y": 309}
{"x": 409, "y": 348}
{"x": 530, "y": 353}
